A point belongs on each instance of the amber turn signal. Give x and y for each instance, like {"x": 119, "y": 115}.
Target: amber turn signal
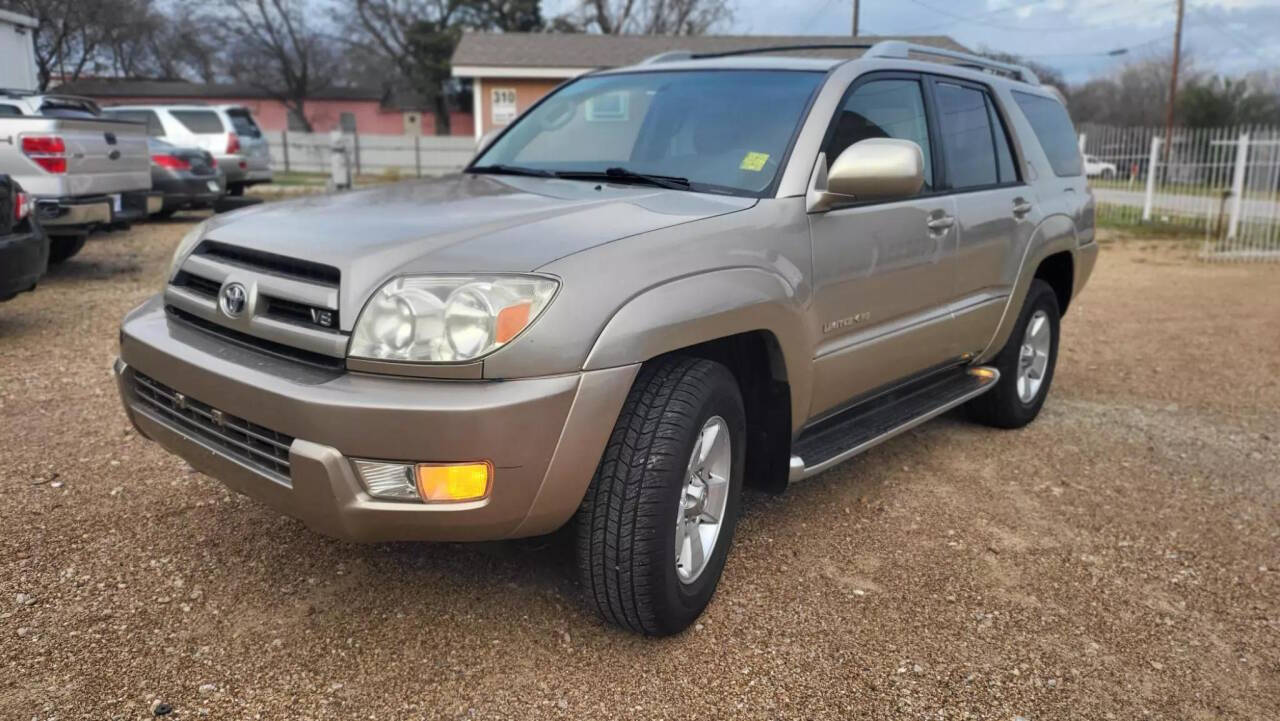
{"x": 452, "y": 482}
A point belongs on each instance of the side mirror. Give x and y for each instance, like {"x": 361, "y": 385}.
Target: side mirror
{"x": 871, "y": 169}
{"x": 487, "y": 139}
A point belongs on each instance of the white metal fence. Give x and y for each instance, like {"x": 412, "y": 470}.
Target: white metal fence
{"x": 1222, "y": 181}
{"x": 400, "y": 155}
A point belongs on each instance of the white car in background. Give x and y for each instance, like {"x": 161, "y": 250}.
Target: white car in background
{"x": 228, "y": 132}
{"x": 1097, "y": 168}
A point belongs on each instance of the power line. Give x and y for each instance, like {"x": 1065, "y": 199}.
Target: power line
{"x": 1105, "y": 53}
{"x": 1241, "y": 43}
{"x": 989, "y": 13}
{"x": 1057, "y": 28}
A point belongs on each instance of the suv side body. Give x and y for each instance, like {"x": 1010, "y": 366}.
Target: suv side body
{"x": 796, "y": 310}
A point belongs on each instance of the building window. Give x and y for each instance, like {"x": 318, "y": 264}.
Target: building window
{"x": 503, "y": 108}
{"x": 347, "y": 121}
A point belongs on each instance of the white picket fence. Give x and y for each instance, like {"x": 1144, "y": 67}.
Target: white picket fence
{"x": 1222, "y": 181}
{"x": 401, "y": 155}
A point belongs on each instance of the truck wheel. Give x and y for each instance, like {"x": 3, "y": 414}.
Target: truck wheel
{"x": 62, "y": 247}
{"x": 236, "y": 190}
{"x": 657, "y": 521}
{"x": 1025, "y": 363}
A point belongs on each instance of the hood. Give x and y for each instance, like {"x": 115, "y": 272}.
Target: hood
{"x": 467, "y": 223}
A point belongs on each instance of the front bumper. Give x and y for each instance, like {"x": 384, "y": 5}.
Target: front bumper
{"x": 544, "y": 436}
{"x": 23, "y": 259}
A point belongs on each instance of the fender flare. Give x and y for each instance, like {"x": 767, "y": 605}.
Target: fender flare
{"x": 1055, "y": 234}
{"x": 704, "y": 307}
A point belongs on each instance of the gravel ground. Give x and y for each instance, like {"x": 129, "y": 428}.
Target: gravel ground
{"x": 1118, "y": 559}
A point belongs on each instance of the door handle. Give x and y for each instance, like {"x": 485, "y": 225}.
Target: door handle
{"x": 1021, "y": 208}
{"x": 939, "y": 225}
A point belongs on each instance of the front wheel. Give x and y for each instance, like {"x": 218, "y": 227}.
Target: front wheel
{"x": 655, "y": 526}
{"x": 1025, "y": 363}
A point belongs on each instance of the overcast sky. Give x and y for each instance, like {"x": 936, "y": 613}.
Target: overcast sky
{"x": 1228, "y": 36}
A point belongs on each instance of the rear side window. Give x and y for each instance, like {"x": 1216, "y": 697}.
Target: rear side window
{"x": 1053, "y": 129}
{"x": 888, "y": 108}
{"x": 243, "y": 123}
{"x": 967, "y": 140}
{"x": 200, "y": 122}
{"x": 6, "y": 109}
{"x": 154, "y": 128}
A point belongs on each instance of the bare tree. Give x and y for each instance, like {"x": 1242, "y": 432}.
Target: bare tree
{"x": 1137, "y": 95}
{"x": 417, "y": 38}
{"x": 651, "y": 17}
{"x": 68, "y": 37}
{"x": 277, "y": 47}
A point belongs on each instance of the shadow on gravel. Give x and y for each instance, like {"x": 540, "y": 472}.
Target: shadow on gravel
{"x": 79, "y": 268}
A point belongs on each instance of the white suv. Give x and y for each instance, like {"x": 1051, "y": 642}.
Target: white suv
{"x": 226, "y": 131}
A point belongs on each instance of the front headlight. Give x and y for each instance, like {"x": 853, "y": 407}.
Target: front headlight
{"x": 186, "y": 245}
{"x": 448, "y": 319}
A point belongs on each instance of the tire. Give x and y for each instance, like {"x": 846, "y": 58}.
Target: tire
{"x": 627, "y": 523}
{"x": 1007, "y": 406}
{"x": 236, "y": 190}
{"x": 164, "y": 213}
{"x": 62, "y": 247}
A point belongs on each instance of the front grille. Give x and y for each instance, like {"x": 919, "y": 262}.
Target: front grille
{"x": 262, "y": 345}
{"x": 197, "y": 284}
{"x": 304, "y": 270}
{"x": 301, "y": 313}
{"x": 255, "y": 445}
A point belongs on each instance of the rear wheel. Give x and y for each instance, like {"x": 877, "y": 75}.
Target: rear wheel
{"x": 62, "y": 247}
{"x": 656, "y": 524}
{"x": 236, "y": 190}
{"x": 1026, "y": 364}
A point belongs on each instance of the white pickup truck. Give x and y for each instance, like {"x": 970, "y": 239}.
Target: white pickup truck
{"x": 85, "y": 171}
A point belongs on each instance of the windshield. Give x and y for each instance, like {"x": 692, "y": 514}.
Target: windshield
{"x": 722, "y": 130}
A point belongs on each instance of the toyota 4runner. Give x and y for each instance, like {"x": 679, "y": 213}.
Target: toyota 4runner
{"x": 660, "y": 284}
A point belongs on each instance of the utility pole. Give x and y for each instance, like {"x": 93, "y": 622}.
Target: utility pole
{"x": 1173, "y": 84}
{"x": 855, "y": 18}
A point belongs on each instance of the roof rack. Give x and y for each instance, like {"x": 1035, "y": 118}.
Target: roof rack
{"x": 897, "y": 49}
{"x": 902, "y": 50}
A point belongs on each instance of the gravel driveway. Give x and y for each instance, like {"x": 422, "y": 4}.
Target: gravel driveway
{"x": 1118, "y": 559}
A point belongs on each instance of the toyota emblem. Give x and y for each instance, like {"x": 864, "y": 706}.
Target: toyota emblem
{"x": 233, "y": 300}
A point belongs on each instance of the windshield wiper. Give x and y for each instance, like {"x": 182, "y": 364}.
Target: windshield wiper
{"x": 499, "y": 169}
{"x": 622, "y": 174}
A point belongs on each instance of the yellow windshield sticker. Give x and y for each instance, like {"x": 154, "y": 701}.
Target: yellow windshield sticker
{"x": 754, "y": 161}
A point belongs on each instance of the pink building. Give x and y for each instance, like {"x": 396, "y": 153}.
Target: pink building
{"x": 360, "y": 109}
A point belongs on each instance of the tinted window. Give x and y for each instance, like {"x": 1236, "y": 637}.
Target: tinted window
{"x": 6, "y": 109}
{"x": 883, "y": 109}
{"x": 243, "y": 123}
{"x": 1004, "y": 151}
{"x": 154, "y": 128}
{"x": 66, "y": 110}
{"x": 1053, "y": 129}
{"x": 723, "y": 130}
{"x": 967, "y": 143}
{"x": 200, "y": 122}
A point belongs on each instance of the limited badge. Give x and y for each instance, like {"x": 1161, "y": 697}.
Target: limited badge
{"x": 754, "y": 162}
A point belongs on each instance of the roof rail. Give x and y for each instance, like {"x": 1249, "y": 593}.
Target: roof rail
{"x": 669, "y": 56}
{"x": 781, "y": 48}
{"x": 901, "y": 50}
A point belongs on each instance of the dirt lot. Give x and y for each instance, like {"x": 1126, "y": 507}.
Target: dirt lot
{"x": 1119, "y": 559}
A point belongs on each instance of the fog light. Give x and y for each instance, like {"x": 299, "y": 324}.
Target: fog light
{"x": 438, "y": 482}
{"x": 388, "y": 480}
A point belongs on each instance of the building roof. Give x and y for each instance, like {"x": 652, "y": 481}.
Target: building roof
{"x": 131, "y": 88}
{"x": 546, "y": 53}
